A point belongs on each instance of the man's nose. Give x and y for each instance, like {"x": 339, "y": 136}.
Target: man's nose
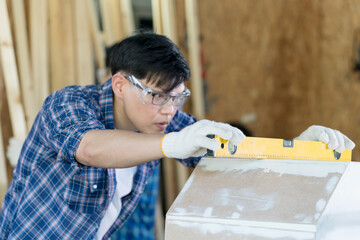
{"x": 168, "y": 108}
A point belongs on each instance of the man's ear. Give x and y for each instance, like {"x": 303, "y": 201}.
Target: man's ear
{"x": 119, "y": 84}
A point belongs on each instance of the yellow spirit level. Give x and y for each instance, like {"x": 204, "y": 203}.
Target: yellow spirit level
{"x": 260, "y": 148}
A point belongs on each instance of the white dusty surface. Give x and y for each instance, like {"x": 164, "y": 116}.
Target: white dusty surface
{"x": 261, "y": 199}
{"x": 341, "y": 218}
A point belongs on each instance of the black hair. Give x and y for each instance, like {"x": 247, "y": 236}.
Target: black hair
{"x": 150, "y": 56}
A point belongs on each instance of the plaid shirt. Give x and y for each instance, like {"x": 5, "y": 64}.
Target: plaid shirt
{"x": 141, "y": 224}
{"x": 51, "y": 195}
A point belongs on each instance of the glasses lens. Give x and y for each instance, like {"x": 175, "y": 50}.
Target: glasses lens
{"x": 147, "y": 97}
{"x": 180, "y": 100}
{"x": 144, "y": 96}
{"x": 160, "y": 99}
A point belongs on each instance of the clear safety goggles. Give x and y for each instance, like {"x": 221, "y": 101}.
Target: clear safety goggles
{"x": 147, "y": 96}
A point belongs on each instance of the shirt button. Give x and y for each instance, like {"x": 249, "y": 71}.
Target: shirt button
{"x": 122, "y": 217}
{"x": 146, "y": 182}
{"x": 94, "y": 186}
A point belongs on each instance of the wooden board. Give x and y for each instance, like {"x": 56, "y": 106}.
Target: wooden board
{"x": 3, "y": 172}
{"x": 106, "y": 22}
{"x": 83, "y": 50}
{"x": 23, "y": 60}
{"x": 62, "y": 47}
{"x": 127, "y": 16}
{"x": 39, "y": 50}
{"x": 286, "y": 64}
{"x": 168, "y": 19}
{"x": 96, "y": 39}
{"x": 198, "y": 107}
{"x": 11, "y": 78}
{"x": 117, "y": 23}
{"x": 170, "y": 185}
{"x": 156, "y": 16}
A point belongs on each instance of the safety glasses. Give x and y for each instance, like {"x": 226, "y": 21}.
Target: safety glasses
{"x": 147, "y": 96}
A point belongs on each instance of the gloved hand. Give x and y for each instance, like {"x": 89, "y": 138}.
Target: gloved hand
{"x": 333, "y": 138}
{"x": 192, "y": 141}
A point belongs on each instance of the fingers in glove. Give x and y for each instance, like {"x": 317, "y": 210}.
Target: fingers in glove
{"x": 199, "y": 153}
{"x": 209, "y": 143}
{"x": 333, "y": 141}
{"x": 215, "y": 129}
{"x": 341, "y": 143}
{"x": 322, "y": 135}
{"x": 224, "y": 131}
{"x": 348, "y": 143}
{"x": 237, "y": 137}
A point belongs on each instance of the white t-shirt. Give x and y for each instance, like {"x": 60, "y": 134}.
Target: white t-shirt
{"x": 124, "y": 182}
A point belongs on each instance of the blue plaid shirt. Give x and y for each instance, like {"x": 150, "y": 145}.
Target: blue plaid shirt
{"x": 51, "y": 195}
{"x": 141, "y": 224}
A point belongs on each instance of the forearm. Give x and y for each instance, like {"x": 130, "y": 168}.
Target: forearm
{"x": 118, "y": 148}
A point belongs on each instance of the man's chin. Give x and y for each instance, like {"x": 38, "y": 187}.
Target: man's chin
{"x": 154, "y": 131}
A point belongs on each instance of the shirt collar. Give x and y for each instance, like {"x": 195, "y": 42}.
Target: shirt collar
{"x": 106, "y": 103}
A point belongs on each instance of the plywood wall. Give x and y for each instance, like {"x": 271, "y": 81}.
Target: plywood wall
{"x": 282, "y": 65}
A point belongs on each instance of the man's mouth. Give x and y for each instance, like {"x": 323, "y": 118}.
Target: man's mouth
{"x": 162, "y": 125}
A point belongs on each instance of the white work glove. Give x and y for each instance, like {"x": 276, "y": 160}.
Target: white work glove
{"x": 333, "y": 138}
{"x": 13, "y": 150}
{"x": 192, "y": 141}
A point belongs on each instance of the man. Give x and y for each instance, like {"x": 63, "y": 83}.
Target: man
{"x": 141, "y": 223}
{"x": 86, "y": 160}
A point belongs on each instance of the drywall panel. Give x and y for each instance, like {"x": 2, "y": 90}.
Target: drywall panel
{"x": 253, "y": 199}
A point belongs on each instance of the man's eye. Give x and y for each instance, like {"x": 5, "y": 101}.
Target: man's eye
{"x": 161, "y": 95}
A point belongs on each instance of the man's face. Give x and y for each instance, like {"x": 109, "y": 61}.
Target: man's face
{"x": 145, "y": 116}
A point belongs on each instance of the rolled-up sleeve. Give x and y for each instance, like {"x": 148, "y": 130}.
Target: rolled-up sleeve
{"x": 66, "y": 124}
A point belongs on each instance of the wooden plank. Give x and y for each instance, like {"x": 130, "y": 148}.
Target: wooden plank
{"x": 168, "y": 19}
{"x": 156, "y": 14}
{"x": 62, "y": 48}
{"x": 176, "y": 174}
{"x": 198, "y": 107}
{"x": 6, "y": 129}
{"x": 23, "y": 59}
{"x": 96, "y": 39}
{"x": 84, "y": 54}
{"x": 168, "y": 23}
{"x": 108, "y": 35}
{"x": 116, "y": 20}
{"x": 127, "y": 16}
{"x": 3, "y": 172}
{"x": 170, "y": 188}
{"x": 39, "y": 49}
{"x": 159, "y": 220}
{"x": 11, "y": 78}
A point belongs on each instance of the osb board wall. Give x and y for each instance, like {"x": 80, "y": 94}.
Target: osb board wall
{"x": 288, "y": 63}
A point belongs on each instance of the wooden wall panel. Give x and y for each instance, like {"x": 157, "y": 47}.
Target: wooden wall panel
{"x": 289, "y": 63}
{"x": 62, "y": 45}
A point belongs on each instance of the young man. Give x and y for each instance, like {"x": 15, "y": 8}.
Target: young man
{"x": 86, "y": 160}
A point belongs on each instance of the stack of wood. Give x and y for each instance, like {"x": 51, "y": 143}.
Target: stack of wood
{"x": 49, "y": 44}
